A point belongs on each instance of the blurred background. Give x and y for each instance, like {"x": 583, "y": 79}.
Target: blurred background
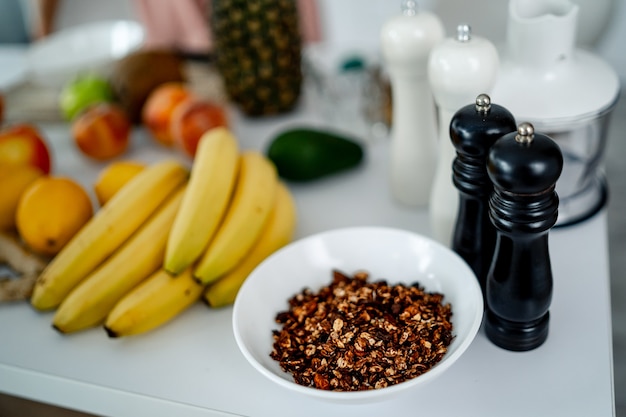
{"x": 337, "y": 29}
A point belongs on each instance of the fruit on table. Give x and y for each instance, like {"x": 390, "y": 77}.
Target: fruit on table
{"x": 211, "y": 182}
{"x": 23, "y": 143}
{"x": 277, "y": 232}
{"x": 112, "y": 225}
{"x": 304, "y": 154}
{"x": 14, "y": 180}
{"x": 191, "y": 119}
{"x": 91, "y": 301}
{"x": 113, "y": 177}
{"x": 251, "y": 204}
{"x": 153, "y": 303}
{"x": 102, "y": 131}
{"x": 113, "y": 271}
{"x": 137, "y": 74}
{"x": 158, "y": 108}
{"x": 258, "y": 52}
{"x": 160, "y": 298}
{"x": 50, "y": 212}
{"x": 83, "y": 92}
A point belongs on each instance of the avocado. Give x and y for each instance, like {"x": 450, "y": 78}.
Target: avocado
{"x": 305, "y": 154}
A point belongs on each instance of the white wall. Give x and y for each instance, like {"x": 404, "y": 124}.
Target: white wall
{"x": 359, "y": 22}
{"x": 612, "y": 44}
{"x": 74, "y": 12}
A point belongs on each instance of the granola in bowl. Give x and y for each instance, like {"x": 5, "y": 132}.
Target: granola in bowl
{"x": 358, "y": 344}
{"x": 356, "y": 335}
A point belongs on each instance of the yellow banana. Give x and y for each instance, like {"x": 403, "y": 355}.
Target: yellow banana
{"x": 88, "y": 304}
{"x": 212, "y": 180}
{"x": 106, "y": 231}
{"x": 249, "y": 210}
{"x": 277, "y": 232}
{"x": 153, "y": 303}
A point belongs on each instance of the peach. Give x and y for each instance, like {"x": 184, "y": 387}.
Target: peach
{"x": 157, "y": 110}
{"x": 191, "y": 119}
{"x": 24, "y": 144}
{"x": 102, "y": 132}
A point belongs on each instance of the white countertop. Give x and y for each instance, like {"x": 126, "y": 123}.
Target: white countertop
{"x": 192, "y": 366}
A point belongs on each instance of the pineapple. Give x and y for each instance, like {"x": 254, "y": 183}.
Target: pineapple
{"x": 258, "y": 53}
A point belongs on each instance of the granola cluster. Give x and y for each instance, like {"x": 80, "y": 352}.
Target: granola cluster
{"x": 357, "y": 335}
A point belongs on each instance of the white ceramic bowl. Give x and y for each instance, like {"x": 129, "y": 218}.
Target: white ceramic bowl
{"x": 58, "y": 58}
{"x": 386, "y": 253}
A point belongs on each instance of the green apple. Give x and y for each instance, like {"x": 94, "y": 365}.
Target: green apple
{"x": 82, "y": 92}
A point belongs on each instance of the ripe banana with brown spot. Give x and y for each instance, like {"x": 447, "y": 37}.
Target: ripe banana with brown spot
{"x": 153, "y": 303}
{"x": 94, "y": 298}
{"x": 112, "y": 225}
{"x": 278, "y": 231}
{"x": 252, "y": 201}
{"x": 211, "y": 183}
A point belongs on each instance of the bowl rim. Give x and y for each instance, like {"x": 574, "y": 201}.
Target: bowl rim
{"x": 49, "y": 72}
{"x": 373, "y": 394}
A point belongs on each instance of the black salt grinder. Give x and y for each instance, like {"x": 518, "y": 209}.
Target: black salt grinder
{"x": 473, "y": 130}
{"x": 524, "y": 167}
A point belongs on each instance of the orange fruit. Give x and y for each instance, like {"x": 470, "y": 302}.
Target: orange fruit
{"x": 13, "y": 182}
{"x": 156, "y": 113}
{"x": 50, "y": 212}
{"x": 113, "y": 177}
{"x": 102, "y": 132}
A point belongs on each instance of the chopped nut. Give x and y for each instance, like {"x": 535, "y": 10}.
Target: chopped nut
{"x": 355, "y": 335}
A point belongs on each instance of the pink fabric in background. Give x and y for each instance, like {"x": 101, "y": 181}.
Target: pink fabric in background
{"x": 179, "y": 25}
{"x": 183, "y": 24}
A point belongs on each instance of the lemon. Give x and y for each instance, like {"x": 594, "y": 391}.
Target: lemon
{"x": 113, "y": 177}
{"x": 50, "y": 212}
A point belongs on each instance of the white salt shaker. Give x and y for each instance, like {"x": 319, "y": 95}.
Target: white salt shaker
{"x": 406, "y": 41}
{"x": 459, "y": 69}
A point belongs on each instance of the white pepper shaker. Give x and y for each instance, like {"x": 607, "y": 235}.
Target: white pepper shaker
{"x": 459, "y": 69}
{"x": 407, "y": 40}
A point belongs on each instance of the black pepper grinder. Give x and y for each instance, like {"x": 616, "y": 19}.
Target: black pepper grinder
{"x": 524, "y": 167}
{"x": 474, "y": 129}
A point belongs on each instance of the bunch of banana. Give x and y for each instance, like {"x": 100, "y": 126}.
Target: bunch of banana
{"x": 112, "y": 225}
{"x": 163, "y": 296}
{"x": 168, "y": 238}
{"x": 92, "y": 300}
{"x": 258, "y": 218}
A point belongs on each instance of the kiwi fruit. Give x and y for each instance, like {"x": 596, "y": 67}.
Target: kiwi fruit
{"x": 138, "y": 73}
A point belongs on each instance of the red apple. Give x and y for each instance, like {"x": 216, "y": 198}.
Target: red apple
{"x": 24, "y": 144}
{"x": 191, "y": 119}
